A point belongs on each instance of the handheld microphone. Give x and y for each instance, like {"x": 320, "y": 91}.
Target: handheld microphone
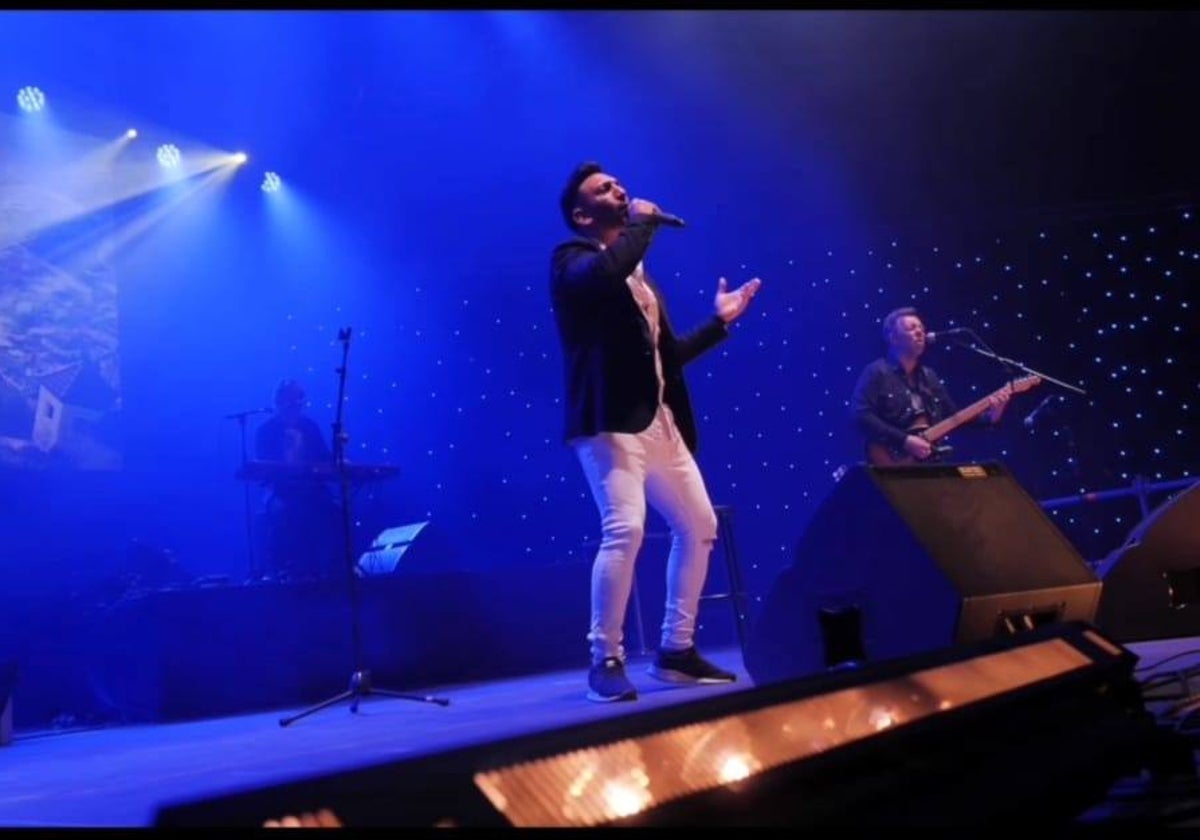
{"x": 668, "y": 219}
{"x": 659, "y": 216}
{"x": 935, "y": 337}
{"x": 1032, "y": 417}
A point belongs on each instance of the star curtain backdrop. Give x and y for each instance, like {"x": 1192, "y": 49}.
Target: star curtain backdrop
{"x": 1027, "y": 174}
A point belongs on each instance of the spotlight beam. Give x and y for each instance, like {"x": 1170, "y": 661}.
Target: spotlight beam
{"x": 129, "y": 232}
{"x": 100, "y": 184}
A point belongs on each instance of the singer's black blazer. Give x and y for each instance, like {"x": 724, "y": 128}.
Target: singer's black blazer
{"x": 608, "y": 357}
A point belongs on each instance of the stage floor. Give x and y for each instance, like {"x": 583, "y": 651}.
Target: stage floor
{"x": 121, "y": 776}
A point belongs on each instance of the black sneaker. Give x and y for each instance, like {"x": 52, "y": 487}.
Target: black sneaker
{"x": 687, "y": 666}
{"x": 607, "y": 682}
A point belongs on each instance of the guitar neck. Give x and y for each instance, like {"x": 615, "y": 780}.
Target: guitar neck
{"x": 941, "y": 429}
{"x": 944, "y": 427}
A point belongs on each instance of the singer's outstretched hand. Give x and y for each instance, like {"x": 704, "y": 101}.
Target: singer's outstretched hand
{"x": 730, "y": 305}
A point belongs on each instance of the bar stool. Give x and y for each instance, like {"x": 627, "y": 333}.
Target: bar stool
{"x": 736, "y": 595}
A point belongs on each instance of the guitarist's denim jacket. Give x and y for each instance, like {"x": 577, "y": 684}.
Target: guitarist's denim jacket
{"x": 882, "y": 405}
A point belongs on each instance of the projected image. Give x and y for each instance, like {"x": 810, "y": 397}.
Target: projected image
{"x": 59, "y": 380}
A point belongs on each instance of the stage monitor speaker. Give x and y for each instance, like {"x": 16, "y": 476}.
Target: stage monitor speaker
{"x": 1041, "y": 723}
{"x": 899, "y": 560}
{"x": 1152, "y": 582}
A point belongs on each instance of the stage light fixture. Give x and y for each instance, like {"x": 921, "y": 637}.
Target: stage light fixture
{"x": 168, "y": 155}
{"x": 31, "y": 99}
{"x": 271, "y": 183}
{"x": 240, "y": 158}
{"x": 131, "y": 134}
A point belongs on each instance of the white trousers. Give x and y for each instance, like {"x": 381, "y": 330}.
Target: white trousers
{"x": 624, "y": 471}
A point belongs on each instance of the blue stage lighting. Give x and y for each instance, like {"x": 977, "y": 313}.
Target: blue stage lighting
{"x": 31, "y": 99}
{"x": 168, "y": 155}
{"x": 271, "y": 183}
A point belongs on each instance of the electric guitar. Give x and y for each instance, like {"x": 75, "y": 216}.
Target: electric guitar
{"x": 882, "y": 455}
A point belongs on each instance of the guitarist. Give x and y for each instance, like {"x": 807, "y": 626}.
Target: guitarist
{"x": 897, "y": 396}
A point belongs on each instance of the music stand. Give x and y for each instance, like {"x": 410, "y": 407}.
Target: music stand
{"x": 385, "y": 552}
{"x": 360, "y": 678}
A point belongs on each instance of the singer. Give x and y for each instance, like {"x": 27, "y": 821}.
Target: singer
{"x": 629, "y": 420}
{"x": 897, "y": 399}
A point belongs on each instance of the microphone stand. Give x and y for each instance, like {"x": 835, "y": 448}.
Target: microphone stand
{"x": 1018, "y": 367}
{"x": 1015, "y": 366}
{"x": 360, "y": 678}
{"x": 251, "y": 561}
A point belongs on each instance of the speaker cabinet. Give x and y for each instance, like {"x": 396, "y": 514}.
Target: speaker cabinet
{"x": 901, "y": 560}
{"x": 8, "y": 679}
{"x": 1152, "y": 582}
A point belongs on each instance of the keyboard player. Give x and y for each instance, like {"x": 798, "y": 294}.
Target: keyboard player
{"x": 302, "y": 534}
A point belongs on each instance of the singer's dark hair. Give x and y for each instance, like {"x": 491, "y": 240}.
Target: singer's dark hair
{"x": 889, "y": 320}
{"x": 570, "y": 194}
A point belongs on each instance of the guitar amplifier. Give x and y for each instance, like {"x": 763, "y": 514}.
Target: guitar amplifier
{"x": 903, "y": 560}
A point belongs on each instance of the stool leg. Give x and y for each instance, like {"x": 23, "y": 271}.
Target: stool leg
{"x": 637, "y": 617}
{"x": 729, "y": 549}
